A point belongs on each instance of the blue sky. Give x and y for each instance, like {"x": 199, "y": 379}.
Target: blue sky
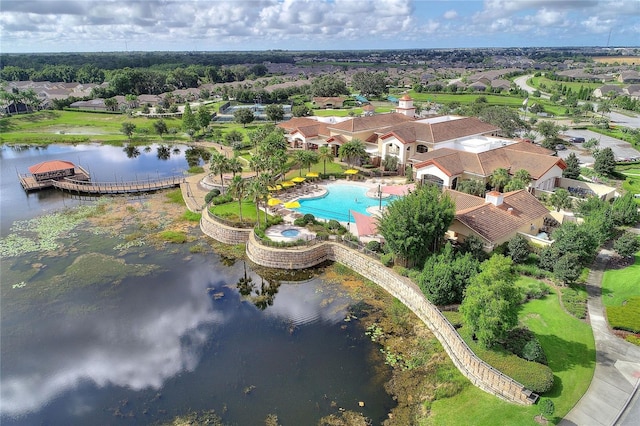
{"x": 218, "y": 25}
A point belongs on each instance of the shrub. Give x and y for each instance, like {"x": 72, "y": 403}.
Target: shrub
{"x": 387, "y": 259}
{"x": 322, "y": 235}
{"x": 574, "y": 300}
{"x": 374, "y": 246}
{"x": 300, "y": 222}
{"x": 535, "y": 290}
{"x": 518, "y": 249}
{"x": 333, "y": 224}
{"x": 221, "y": 199}
{"x": 211, "y": 195}
{"x": 309, "y": 218}
{"x": 523, "y": 343}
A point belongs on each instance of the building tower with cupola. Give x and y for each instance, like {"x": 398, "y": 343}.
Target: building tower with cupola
{"x": 405, "y": 106}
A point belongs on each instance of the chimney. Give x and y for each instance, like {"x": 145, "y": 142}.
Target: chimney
{"x": 510, "y": 210}
{"x": 494, "y": 197}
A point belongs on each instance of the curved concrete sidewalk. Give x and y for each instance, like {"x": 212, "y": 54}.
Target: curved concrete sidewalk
{"x": 617, "y": 374}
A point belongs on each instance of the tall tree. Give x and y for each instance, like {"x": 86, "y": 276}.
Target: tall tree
{"x": 370, "y": 83}
{"x": 573, "y": 167}
{"x": 274, "y": 112}
{"x": 445, "y": 276}
{"x": 203, "y": 118}
{"x": 234, "y": 165}
{"x": 605, "y": 162}
{"x": 472, "y": 186}
{"x": 624, "y": 210}
{"x": 219, "y": 166}
{"x": 352, "y": 152}
{"x": 490, "y": 306}
{"x": 560, "y": 199}
{"x": 160, "y": 127}
{"x": 243, "y": 116}
{"x": 499, "y": 178}
{"x": 257, "y": 190}
{"x": 128, "y": 128}
{"x": 414, "y": 226}
{"x": 505, "y": 118}
{"x": 548, "y": 129}
{"x": 189, "y": 121}
{"x": 238, "y": 189}
{"x": 324, "y": 155}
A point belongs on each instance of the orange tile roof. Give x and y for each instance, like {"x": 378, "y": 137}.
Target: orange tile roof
{"x": 51, "y": 166}
{"x": 297, "y": 122}
{"x": 373, "y": 123}
{"x": 417, "y": 131}
{"x": 494, "y": 223}
{"x": 455, "y": 162}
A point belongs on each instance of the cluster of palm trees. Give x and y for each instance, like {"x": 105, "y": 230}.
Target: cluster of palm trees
{"x": 15, "y": 97}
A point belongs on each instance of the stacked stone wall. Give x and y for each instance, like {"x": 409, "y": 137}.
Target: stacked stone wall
{"x": 223, "y": 233}
{"x": 297, "y": 257}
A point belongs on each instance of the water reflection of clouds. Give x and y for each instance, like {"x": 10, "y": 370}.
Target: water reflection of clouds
{"x": 137, "y": 346}
{"x": 302, "y": 303}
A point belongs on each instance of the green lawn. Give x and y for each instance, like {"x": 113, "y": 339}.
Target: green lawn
{"x": 466, "y": 98}
{"x": 229, "y": 211}
{"x": 70, "y": 126}
{"x": 537, "y": 82}
{"x": 621, "y": 296}
{"x": 332, "y": 168}
{"x": 570, "y": 349}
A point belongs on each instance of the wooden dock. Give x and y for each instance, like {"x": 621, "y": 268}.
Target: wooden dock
{"x": 29, "y": 182}
{"x": 107, "y": 188}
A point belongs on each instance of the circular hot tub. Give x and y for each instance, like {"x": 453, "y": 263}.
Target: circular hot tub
{"x": 290, "y": 233}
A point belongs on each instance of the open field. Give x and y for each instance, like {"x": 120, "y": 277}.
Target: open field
{"x": 632, "y": 60}
{"x": 620, "y": 287}
{"x": 539, "y": 82}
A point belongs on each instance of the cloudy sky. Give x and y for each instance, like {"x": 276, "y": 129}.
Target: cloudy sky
{"x": 214, "y": 25}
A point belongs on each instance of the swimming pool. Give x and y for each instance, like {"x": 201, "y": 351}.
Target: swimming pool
{"x": 339, "y": 200}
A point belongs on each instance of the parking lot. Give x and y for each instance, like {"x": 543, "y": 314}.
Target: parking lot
{"x": 621, "y": 149}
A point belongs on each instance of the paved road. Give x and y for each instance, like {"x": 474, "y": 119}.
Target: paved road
{"x": 621, "y": 149}
{"x": 612, "y": 397}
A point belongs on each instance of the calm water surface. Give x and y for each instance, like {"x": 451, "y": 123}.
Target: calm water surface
{"x": 164, "y": 333}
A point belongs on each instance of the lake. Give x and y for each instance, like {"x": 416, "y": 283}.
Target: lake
{"x": 98, "y": 329}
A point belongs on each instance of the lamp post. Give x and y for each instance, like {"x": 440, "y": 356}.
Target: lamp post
{"x": 379, "y": 198}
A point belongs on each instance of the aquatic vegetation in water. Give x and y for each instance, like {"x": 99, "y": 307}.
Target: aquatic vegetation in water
{"x": 19, "y": 285}
{"x": 43, "y": 233}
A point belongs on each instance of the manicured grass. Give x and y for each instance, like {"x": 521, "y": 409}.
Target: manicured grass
{"x": 570, "y": 349}
{"x": 466, "y": 98}
{"x": 569, "y": 346}
{"x": 549, "y": 84}
{"x": 332, "y": 168}
{"x": 230, "y": 211}
{"x": 621, "y": 296}
{"x": 72, "y": 126}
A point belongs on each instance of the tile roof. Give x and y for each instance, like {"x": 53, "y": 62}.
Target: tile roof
{"x": 51, "y": 166}
{"x": 494, "y": 223}
{"x": 296, "y": 122}
{"x": 514, "y": 157}
{"x": 373, "y": 123}
{"x": 418, "y": 131}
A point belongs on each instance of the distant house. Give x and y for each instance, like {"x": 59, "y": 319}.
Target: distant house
{"x": 328, "y": 102}
{"x": 605, "y": 90}
{"x": 629, "y": 77}
{"x": 497, "y": 218}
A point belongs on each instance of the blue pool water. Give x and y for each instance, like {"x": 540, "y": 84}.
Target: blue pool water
{"x": 290, "y": 233}
{"x": 339, "y": 201}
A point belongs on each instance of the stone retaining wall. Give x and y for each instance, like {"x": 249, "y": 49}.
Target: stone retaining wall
{"x": 477, "y": 371}
{"x": 223, "y": 233}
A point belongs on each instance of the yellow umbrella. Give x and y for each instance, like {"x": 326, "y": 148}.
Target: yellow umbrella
{"x": 274, "y": 202}
{"x": 312, "y": 175}
{"x": 292, "y": 205}
{"x": 275, "y": 188}
{"x": 288, "y": 184}
{"x": 298, "y": 179}
{"x": 351, "y": 172}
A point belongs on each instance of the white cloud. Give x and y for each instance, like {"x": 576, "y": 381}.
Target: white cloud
{"x": 450, "y": 14}
{"x": 32, "y": 25}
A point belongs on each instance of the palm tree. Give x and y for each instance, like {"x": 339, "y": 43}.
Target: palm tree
{"x": 300, "y": 157}
{"x": 258, "y": 191}
{"x": 522, "y": 175}
{"x": 219, "y": 165}
{"x": 234, "y": 165}
{"x": 324, "y": 155}
{"x": 499, "y": 178}
{"x": 352, "y": 151}
{"x": 238, "y": 188}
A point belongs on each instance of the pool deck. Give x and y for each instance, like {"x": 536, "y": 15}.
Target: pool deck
{"x": 275, "y": 233}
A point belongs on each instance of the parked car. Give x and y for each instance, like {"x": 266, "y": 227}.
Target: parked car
{"x": 560, "y": 147}
{"x": 576, "y": 140}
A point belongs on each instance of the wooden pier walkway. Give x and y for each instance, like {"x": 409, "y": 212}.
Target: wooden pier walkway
{"x": 105, "y": 188}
